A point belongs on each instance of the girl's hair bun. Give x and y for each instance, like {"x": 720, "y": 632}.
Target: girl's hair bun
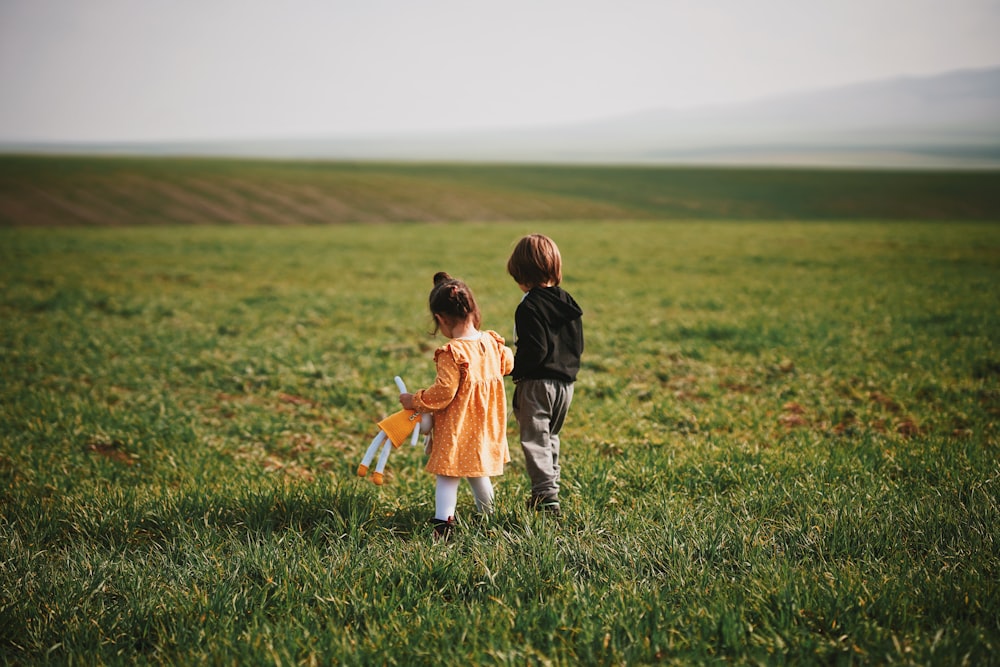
{"x": 453, "y": 299}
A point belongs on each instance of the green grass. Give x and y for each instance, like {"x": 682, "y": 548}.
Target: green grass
{"x": 783, "y": 449}
{"x": 85, "y": 191}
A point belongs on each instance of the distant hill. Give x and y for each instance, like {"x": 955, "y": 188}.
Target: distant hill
{"x": 951, "y": 120}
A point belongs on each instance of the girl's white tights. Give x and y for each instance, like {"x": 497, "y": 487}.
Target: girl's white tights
{"x": 446, "y": 495}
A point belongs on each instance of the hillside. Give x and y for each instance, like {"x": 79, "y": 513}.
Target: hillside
{"x": 68, "y": 191}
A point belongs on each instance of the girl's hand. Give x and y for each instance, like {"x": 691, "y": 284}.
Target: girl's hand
{"x": 406, "y": 400}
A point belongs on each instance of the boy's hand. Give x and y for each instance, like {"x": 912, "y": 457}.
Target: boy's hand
{"x": 406, "y": 400}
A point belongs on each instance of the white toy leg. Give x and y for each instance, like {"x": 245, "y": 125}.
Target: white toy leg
{"x": 370, "y": 454}
{"x": 382, "y": 439}
{"x": 380, "y": 466}
{"x": 426, "y": 426}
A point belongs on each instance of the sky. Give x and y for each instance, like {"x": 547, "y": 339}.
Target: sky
{"x": 188, "y": 70}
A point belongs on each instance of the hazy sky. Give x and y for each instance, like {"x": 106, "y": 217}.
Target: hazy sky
{"x": 99, "y": 70}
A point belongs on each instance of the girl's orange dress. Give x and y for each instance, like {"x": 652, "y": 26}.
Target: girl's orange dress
{"x": 470, "y": 407}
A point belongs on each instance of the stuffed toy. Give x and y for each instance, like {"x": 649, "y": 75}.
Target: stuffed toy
{"x": 393, "y": 430}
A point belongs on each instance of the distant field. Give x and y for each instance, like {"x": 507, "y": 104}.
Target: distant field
{"x": 73, "y": 191}
{"x": 784, "y": 446}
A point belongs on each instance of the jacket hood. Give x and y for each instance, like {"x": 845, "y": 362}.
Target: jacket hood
{"x": 556, "y": 303}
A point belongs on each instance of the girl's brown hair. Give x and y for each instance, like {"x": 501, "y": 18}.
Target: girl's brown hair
{"x": 535, "y": 261}
{"x": 453, "y": 300}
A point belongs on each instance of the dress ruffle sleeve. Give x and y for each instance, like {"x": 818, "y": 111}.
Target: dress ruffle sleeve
{"x": 440, "y": 394}
{"x": 506, "y": 354}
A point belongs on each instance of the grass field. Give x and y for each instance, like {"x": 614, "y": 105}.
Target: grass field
{"x": 783, "y": 449}
{"x": 83, "y": 191}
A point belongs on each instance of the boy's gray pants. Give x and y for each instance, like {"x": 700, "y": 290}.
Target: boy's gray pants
{"x": 540, "y": 407}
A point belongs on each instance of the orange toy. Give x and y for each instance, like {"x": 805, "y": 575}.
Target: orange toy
{"x": 393, "y": 430}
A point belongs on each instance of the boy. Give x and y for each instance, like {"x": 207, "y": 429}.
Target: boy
{"x": 548, "y": 334}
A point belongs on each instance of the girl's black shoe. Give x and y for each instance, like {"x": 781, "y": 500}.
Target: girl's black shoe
{"x": 443, "y": 529}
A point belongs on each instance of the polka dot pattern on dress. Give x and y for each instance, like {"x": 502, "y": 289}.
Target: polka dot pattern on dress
{"x": 469, "y": 403}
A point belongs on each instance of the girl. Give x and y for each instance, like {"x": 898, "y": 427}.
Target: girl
{"x": 468, "y": 402}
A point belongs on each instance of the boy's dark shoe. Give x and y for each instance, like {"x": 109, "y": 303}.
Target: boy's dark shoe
{"x": 546, "y": 504}
{"x": 443, "y": 529}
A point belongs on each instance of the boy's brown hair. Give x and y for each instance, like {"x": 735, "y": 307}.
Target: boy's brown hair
{"x": 535, "y": 261}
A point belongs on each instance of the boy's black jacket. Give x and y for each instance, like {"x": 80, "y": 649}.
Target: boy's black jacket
{"x": 548, "y": 329}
